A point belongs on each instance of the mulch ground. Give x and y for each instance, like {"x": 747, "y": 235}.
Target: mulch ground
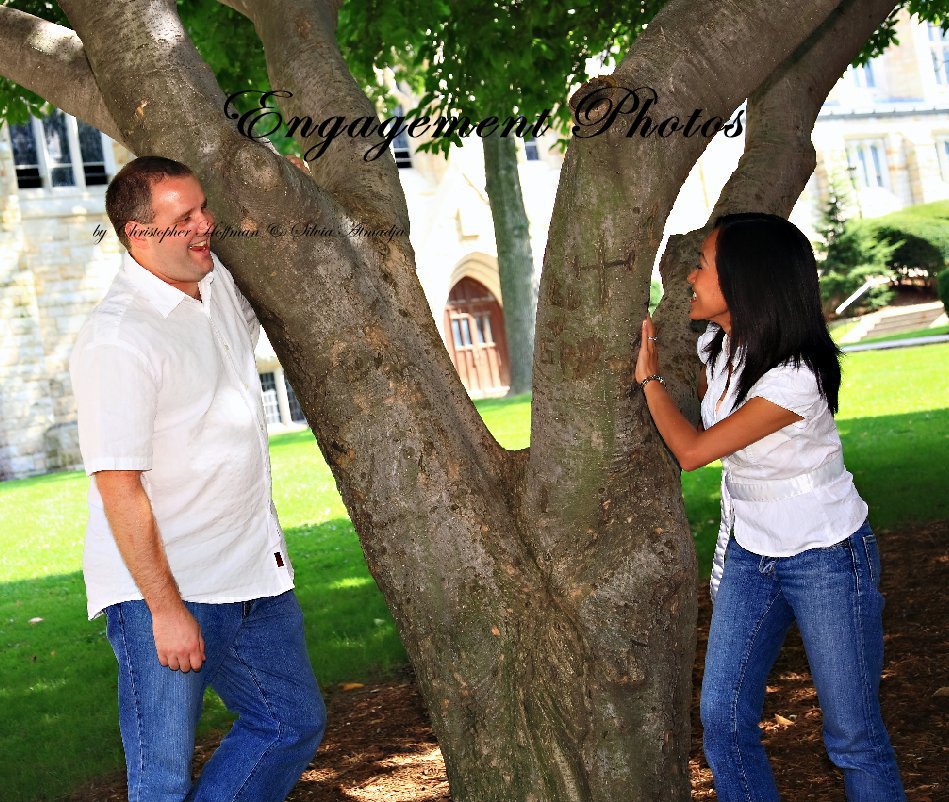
{"x": 380, "y": 748}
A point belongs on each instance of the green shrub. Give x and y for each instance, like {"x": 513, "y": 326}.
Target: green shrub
{"x": 920, "y": 236}
{"x": 942, "y": 287}
{"x": 853, "y": 255}
{"x": 836, "y": 286}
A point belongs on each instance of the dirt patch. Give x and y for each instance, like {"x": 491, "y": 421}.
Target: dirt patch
{"x": 380, "y": 747}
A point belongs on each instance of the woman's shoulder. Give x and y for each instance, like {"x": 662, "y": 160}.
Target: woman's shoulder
{"x": 791, "y": 385}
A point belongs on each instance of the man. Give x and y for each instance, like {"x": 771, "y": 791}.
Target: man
{"x": 183, "y": 551}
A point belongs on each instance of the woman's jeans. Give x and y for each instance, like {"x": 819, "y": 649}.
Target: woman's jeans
{"x": 833, "y": 595}
{"x": 256, "y": 660}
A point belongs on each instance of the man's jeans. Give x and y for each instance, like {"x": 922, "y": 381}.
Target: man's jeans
{"x": 833, "y": 595}
{"x": 258, "y": 664}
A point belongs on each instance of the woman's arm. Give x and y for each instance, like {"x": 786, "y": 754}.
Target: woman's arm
{"x": 692, "y": 447}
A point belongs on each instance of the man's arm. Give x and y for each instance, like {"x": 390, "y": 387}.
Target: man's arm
{"x": 178, "y": 638}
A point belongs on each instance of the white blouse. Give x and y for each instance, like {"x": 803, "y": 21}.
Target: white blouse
{"x": 810, "y": 503}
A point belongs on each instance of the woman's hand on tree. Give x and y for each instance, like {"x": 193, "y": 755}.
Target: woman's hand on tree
{"x": 647, "y": 364}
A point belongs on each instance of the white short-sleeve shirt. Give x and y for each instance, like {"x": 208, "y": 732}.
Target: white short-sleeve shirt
{"x": 167, "y": 385}
{"x": 820, "y": 516}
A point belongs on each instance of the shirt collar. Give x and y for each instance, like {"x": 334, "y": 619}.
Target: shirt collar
{"x": 160, "y": 294}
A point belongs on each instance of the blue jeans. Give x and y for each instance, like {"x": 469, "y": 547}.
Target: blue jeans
{"x": 256, "y": 660}
{"x": 833, "y": 595}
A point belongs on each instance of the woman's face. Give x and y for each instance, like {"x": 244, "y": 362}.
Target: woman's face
{"x": 708, "y": 303}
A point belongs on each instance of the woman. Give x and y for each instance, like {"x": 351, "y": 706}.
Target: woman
{"x": 801, "y": 549}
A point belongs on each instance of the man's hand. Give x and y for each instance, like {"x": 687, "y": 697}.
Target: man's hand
{"x": 178, "y": 639}
{"x": 177, "y": 635}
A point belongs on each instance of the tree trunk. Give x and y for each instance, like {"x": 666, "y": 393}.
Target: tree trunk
{"x": 547, "y": 597}
{"x": 515, "y": 260}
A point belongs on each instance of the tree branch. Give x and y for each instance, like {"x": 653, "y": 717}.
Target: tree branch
{"x": 50, "y": 60}
{"x": 606, "y": 533}
{"x": 299, "y": 38}
{"x": 165, "y": 100}
{"x": 345, "y": 313}
{"x": 597, "y": 265}
{"x": 240, "y": 6}
{"x": 777, "y": 161}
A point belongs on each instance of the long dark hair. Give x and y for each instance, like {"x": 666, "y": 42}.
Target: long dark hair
{"x": 768, "y": 277}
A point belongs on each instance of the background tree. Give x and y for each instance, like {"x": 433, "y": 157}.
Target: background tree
{"x": 501, "y": 59}
{"x": 853, "y": 255}
{"x": 546, "y": 597}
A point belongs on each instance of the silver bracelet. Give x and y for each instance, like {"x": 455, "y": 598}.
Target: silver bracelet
{"x": 654, "y": 377}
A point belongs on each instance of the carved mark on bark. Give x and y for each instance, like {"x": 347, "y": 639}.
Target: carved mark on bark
{"x": 579, "y": 361}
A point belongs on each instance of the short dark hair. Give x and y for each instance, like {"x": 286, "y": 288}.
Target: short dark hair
{"x": 768, "y": 277}
{"x": 129, "y": 196}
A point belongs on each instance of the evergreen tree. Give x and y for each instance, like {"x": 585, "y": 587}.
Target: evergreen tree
{"x": 852, "y": 256}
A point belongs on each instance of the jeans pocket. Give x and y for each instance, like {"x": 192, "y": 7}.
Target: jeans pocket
{"x": 873, "y": 557}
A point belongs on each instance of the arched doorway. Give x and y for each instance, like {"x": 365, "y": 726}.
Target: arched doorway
{"x": 474, "y": 330}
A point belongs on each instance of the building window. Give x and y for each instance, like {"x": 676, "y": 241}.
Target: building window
{"x": 400, "y": 145}
{"x": 942, "y": 152}
{"x": 60, "y": 151}
{"x": 939, "y": 50}
{"x": 530, "y": 150}
{"x": 268, "y": 385}
{"x": 484, "y": 329}
{"x": 461, "y": 332}
{"x": 296, "y": 411}
{"x": 862, "y": 76}
{"x": 866, "y": 160}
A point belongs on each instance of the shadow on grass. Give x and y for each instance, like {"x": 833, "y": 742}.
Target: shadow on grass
{"x": 59, "y": 723}
{"x": 899, "y": 465}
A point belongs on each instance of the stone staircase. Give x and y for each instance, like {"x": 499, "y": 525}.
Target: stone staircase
{"x": 896, "y": 320}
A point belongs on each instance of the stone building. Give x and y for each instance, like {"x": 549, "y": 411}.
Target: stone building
{"x": 58, "y": 255}
{"x": 884, "y": 132}
{"x": 52, "y": 272}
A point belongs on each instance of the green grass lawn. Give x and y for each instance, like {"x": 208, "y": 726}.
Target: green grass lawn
{"x": 58, "y": 690}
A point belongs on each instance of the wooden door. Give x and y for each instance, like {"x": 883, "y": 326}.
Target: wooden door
{"x": 474, "y": 329}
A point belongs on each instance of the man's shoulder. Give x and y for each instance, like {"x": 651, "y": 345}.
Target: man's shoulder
{"x": 120, "y": 318}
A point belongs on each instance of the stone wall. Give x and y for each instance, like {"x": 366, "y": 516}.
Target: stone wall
{"x": 52, "y": 272}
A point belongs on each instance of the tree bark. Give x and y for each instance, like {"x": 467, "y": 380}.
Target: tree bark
{"x": 777, "y": 161}
{"x": 546, "y": 598}
{"x": 515, "y": 260}
{"x": 50, "y": 60}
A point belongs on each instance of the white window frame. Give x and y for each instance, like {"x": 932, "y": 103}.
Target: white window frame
{"x": 863, "y": 77}
{"x": 45, "y": 165}
{"x": 401, "y": 147}
{"x": 867, "y": 163}
{"x": 939, "y": 52}
{"x": 941, "y": 144}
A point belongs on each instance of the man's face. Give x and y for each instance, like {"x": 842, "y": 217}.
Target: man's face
{"x": 182, "y": 257}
